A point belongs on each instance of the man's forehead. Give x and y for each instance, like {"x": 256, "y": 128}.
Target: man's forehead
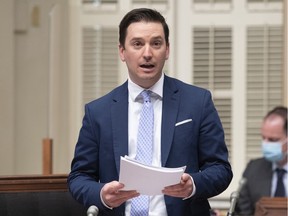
{"x": 145, "y": 26}
{"x": 273, "y": 127}
{"x": 145, "y": 30}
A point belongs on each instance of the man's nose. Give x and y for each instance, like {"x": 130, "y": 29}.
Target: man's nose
{"x": 147, "y": 52}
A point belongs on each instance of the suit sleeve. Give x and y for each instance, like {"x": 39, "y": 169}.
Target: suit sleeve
{"x": 215, "y": 171}
{"x": 83, "y": 180}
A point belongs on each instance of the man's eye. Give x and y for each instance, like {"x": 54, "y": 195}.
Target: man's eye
{"x": 157, "y": 43}
{"x": 137, "y": 44}
{"x": 274, "y": 140}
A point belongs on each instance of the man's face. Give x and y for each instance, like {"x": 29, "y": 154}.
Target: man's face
{"x": 273, "y": 131}
{"x": 145, "y": 52}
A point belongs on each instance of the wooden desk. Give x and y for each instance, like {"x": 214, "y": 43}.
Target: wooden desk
{"x": 33, "y": 183}
{"x": 271, "y": 206}
{"x": 37, "y": 195}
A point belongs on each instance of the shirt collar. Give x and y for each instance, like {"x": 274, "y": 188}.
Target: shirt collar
{"x": 285, "y": 167}
{"x": 157, "y": 89}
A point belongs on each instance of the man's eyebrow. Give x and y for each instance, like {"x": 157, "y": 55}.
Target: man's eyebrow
{"x": 136, "y": 38}
{"x": 158, "y": 37}
{"x": 153, "y": 38}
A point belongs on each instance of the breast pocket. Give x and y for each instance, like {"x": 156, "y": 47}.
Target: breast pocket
{"x": 183, "y": 131}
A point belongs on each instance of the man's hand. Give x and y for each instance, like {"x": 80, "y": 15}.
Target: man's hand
{"x": 113, "y": 196}
{"x": 183, "y": 189}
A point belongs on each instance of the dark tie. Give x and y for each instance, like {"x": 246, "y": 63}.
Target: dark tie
{"x": 280, "y": 188}
{"x": 140, "y": 205}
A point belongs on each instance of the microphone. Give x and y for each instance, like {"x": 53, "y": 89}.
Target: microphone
{"x": 235, "y": 195}
{"x": 92, "y": 211}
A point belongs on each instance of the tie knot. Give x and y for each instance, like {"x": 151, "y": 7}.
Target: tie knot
{"x": 280, "y": 172}
{"x": 146, "y": 96}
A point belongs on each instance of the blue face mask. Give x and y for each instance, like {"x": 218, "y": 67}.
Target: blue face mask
{"x": 272, "y": 151}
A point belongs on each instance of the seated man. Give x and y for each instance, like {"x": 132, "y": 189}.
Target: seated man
{"x": 262, "y": 174}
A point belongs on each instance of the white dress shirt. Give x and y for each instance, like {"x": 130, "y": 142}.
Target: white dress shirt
{"x": 157, "y": 204}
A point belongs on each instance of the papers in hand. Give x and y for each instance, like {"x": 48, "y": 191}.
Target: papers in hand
{"x": 148, "y": 180}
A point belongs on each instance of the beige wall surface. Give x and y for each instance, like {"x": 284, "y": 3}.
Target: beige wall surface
{"x": 33, "y": 76}
{"x": 6, "y": 87}
{"x": 285, "y": 47}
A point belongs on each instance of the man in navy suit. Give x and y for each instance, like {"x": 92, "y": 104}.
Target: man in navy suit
{"x": 187, "y": 131}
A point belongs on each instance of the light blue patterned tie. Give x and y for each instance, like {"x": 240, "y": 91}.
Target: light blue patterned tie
{"x": 140, "y": 205}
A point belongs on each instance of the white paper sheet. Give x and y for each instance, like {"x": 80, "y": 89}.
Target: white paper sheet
{"x": 148, "y": 180}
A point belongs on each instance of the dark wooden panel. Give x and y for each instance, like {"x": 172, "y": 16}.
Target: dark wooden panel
{"x": 33, "y": 183}
{"x": 271, "y": 206}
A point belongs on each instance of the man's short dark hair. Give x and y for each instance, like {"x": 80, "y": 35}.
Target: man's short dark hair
{"x": 279, "y": 111}
{"x": 139, "y": 15}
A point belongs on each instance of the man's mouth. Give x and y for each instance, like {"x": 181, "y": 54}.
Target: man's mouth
{"x": 147, "y": 66}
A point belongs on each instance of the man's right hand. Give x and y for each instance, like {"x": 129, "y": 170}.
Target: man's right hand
{"x": 113, "y": 196}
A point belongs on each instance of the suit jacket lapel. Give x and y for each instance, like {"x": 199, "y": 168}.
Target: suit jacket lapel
{"x": 119, "y": 118}
{"x": 267, "y": 177}
{"x": 169, "y": 115}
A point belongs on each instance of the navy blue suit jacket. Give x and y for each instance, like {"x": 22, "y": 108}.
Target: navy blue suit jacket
{"x": 198, "y": 144}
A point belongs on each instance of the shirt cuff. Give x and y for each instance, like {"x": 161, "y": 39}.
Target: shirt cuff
{"x": 103, "y": 201}
{"x": 193, "y": 191}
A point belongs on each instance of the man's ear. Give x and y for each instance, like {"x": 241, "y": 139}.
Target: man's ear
{"x": 121, "y": 50}
{"x": 167, "y": 51}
